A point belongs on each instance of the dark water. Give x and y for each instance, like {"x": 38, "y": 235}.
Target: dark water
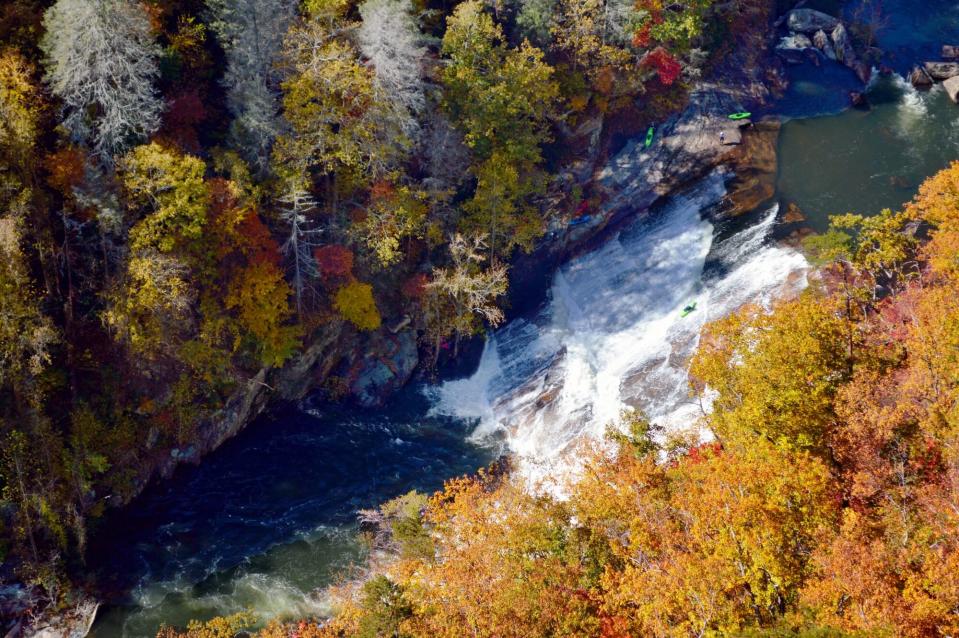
{"x": 865, "y": 161}
{"x": 834, "y": 160}
{"x": 269, "y": 518}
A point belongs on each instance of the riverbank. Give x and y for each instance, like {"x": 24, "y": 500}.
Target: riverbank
{"x": 687, "y": 148}
{"x": 365, "y": 369}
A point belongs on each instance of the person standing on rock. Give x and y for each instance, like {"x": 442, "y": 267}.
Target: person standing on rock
{"x": 722, "y": 137}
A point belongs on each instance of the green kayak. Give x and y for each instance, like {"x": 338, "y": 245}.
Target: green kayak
{"x": 688, "y": 310}
{"x": 649, "y": 136}
{"x": 740, "y": 116}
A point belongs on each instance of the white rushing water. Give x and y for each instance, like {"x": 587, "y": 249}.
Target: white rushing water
{"x": 611, "y": 334}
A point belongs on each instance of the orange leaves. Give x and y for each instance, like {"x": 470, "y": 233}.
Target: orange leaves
{"x": 65, "y": 168}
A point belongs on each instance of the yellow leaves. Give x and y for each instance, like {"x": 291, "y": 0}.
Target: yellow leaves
{"x": 709, "y": 541}
{"x": 19, "y": 106}
{"x": 26, "y": 334}
{"x": 355, "y": 303}
{"x": 938, "y": 204}
{"x": 394, "y": 214}
{"x": 154, "y": 302}
{"x": 260, "y": 295}
{"x": 776, "y": 373}
{"x": 170, "y": 186}
{"x": 219, "y": 627}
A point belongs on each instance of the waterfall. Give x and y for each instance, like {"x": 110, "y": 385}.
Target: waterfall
{"x": 611, "y": 336}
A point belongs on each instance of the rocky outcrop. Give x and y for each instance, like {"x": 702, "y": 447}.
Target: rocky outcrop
{"x": 941, "y": 71}
{"x": 688, "y": 147}
{"x": 754, "y": 165}
{"x": 792, "y": 47}
{"x": 821, "y": 41}
{"x": 952, "y": 89}
{"x": 386, "y": 366}
{"x": 26, "y": 613}
{"x": 950, "y": 52}
{"x": 919, "y": 78}
{"x": 829, "y": 39}
{"x": 810, "y": 21}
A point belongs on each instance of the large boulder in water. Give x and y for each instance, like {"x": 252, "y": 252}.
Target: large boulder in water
{"x": 940, "y": 71}
{"x": 950, "y": 52}
{"x": 810, "y": 21}
{"x": 952, "y": 88}
{"x": 919, "y": 78}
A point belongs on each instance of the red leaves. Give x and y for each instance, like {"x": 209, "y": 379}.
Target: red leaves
{"x": 703, "y": 451}
{"x": 665, "y": 64}
{"x": 415, "y": 286}
{"x": 334, "y": 261}
{"x": 184, "y": 112}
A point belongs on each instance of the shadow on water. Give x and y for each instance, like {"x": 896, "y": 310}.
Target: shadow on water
{"x": 269, "y": 518}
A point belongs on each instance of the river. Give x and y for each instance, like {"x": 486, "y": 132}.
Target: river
{"x": 268, "y": 520}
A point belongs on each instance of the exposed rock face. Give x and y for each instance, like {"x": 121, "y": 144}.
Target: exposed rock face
{"x": 810, "y": 21}
{"x": 388, "y": 363}
{"x": 829, "y": 38}
{"x": 302, "y": 373}
{"x": 688, "y": 147}
{"x": 919, "y": 78}
{"x": 73, "y": 623}
{"x": 952, "y": 88}
{"x": 821, "y": 42}
{"x": 844, "y": 50}
{"x": 940, "y": 71}
{"x": 792, "y": 48}
{"x": 755, "y": 164}
{"x": 950, "y": 52}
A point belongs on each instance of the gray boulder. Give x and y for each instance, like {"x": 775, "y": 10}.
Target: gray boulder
{"x": 810, "y": 21}
{"x": 844, "y": 50}
{"x": 793, "y": 47}
{"x": 952, "y": 88}
{"x": 940, "y": 71}
{"x": 821, "y": 42}
{"x": 950, "y": 52}
{"x": 919, "y": 78}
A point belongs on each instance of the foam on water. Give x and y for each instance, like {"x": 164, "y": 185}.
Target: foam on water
{"x": 611, "y": 335}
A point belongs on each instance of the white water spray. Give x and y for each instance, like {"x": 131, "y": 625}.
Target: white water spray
{"x": 611, "y": 335}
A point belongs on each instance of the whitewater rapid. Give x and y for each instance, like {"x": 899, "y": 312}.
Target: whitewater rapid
{"x": 611, "y": 337}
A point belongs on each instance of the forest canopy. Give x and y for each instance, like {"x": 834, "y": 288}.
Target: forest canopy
{"x": 817, "y": 499}
{"x": 192, "y": 192}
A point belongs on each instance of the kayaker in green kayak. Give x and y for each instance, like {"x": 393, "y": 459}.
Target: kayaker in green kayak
{"x": 740, "y": 116}
{"x": 688, "y": 310}
{"x": 649, "y": 136}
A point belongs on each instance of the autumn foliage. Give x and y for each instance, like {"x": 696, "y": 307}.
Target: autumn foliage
{"x": 665, "y": 65}
{"x": 817, "y": 500}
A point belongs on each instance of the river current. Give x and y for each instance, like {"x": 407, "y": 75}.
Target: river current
{"x": 268, "y": 520}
